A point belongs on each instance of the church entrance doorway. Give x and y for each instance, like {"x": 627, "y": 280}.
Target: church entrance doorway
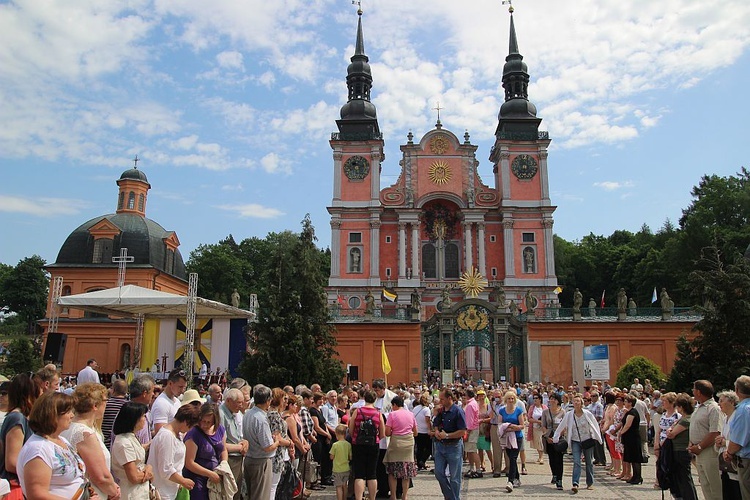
{"x": 474, "y": 340}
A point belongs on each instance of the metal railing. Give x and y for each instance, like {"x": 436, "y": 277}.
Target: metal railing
{"x": 566, "y": 313}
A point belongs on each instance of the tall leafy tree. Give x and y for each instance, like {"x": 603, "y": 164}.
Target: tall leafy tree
{"x": 292, "y": 341}
{"x": 722, "y": 346}
{"x": 24, "y": 289}
{"x": 221, "y": 268}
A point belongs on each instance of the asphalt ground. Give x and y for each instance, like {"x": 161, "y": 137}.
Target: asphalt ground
{"x": 537, "y": 485}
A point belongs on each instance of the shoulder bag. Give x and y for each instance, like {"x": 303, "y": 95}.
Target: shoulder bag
{"x": 586, "y": 443}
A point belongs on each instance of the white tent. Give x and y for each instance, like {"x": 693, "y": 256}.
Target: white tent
{"x": 132, "y": 300}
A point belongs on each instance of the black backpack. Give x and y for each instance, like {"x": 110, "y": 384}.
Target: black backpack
{"x": 367, "y": 432}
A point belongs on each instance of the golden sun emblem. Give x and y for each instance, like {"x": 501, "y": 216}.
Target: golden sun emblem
{"x": 439, "y": 145}
{"x": 440, "y": 172}
{"x": 472, "y": 320}
{"x": 472, "y": 283}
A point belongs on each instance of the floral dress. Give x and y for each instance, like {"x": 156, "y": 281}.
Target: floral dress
{"x": 278, "y": 424}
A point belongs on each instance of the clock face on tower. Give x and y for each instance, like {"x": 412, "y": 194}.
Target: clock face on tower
{"x": 356, "y": 168}
{"x": 524, "y": 166}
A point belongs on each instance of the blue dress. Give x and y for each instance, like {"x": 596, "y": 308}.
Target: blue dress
{"x": 208, "y": 455}
{"x": 512, "y": 418}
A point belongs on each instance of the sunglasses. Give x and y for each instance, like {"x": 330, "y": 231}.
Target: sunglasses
{"x": 3, "y": 393}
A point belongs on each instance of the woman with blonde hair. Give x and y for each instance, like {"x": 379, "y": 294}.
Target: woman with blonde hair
{"x": 513, "y": 415}
{"x": 85, "y": 437}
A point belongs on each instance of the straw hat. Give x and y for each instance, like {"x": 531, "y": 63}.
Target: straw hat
{"x": 190, "y": 396}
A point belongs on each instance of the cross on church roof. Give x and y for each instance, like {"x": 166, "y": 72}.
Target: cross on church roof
{"x": 510, "y": 5}
{"x": 438, "y": 108}
{"x": 136, "y": 160}
{"x": 121, "y": 262}
{"x": 358, "y": 3}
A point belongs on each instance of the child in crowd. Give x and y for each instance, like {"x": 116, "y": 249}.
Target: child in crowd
{"x": 341, "y": 455}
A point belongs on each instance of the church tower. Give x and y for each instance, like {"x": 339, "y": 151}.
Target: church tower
{"x": 355, "y": 208}
{"x": 519, "y": 157}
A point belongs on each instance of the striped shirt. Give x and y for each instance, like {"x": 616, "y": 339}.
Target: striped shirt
{"x": 108, "y": 420}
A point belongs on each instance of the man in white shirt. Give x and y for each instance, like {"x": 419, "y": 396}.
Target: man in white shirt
{"x": 168, "y": 402}
{"x": 214, "y": 394}
{"x": 88, "y": 374}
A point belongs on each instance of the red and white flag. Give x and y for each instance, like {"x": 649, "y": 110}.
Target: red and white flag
{"x": 603, "y": 298}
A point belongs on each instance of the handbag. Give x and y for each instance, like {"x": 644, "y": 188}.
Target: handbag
{"x": 586, "y": 443}
{"x": 728, "y": 466}
{"x": 560, "y": 446}
{"x": 153, "y": 493}
{"x": 182, "y": 494}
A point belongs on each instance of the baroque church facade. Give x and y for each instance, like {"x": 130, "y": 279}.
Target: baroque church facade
{"x": 451, "y": 258}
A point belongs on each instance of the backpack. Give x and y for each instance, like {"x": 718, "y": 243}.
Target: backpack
{"x": 367, "y": 431}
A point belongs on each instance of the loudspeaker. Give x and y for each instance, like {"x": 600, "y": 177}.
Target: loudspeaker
{"x": 353, "y": 372}
{"x": 54, "y": 350}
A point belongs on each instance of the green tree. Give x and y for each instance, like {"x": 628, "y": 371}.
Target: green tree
{"x": 642, "y": 368}
{"x": 721, "y": 349}
{"x": 220, "y": 269}
{"x": 292, "y": 341}
{"x": 21, "y": 357}
{"x": 23, "y": 290}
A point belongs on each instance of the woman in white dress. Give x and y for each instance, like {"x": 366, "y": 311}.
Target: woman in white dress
{"x": 85, "y": 437}
{"x": 167, "y": 453}
{"x": 128, "y": 456}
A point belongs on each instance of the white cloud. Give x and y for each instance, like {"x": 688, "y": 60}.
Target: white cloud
{"x": 273, "y": 164}
{"x": 613, "y": 185}
{"x": 41, "y": 207}
{"x": 232, "y": 187}
{"x": 253, "y": 210}
{"x": 230, "y": 59}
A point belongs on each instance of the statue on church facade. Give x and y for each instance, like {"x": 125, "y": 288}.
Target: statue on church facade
{"x": 528, "y": 259}
{"x": 416, "y": 301}
{"x": 513, "y": 307}
{"x": 622, "y": 301}
{"x": 632, "y": 308}
{"x": 369, "y": 303}
{"x": 445, "y": 302}
{"x": 577, "y": 300}
{"x": 667, "y": 306}
{"x": 235, "y": 298}
{"x": 592, "y": 307}
{"x": 531, "y": 302}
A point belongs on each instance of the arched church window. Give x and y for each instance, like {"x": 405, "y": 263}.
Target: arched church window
{"x": 429, "y": 261}
{"x": 355, "y": 260}
{"x": 451, "y": 260}
{"x": 65, "y": 292}
{"x": 102, "y": 251}
{"x": 131, "y": 201}
{"x": 529, "y": 260}
{"x": 141, "y": 202}
{"x": 121, "y": 200}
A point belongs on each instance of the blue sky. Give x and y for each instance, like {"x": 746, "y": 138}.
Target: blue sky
{"x": 230, "y": 105}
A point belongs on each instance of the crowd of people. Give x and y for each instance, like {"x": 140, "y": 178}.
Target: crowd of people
{"x": 147, "y": 439}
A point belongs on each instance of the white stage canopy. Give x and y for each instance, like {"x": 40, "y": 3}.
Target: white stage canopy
{"x": 132, "y": 300}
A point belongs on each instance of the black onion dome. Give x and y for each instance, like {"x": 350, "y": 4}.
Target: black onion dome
{"x": 134, "y": 174}
{"x": 143, "y": 238}
{"x": 517, "y": 108}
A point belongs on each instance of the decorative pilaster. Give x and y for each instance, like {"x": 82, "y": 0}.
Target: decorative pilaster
{"x": 375, "y": 249}
{"x": 402, "y": 250}
{"x": 549, "y": 248}
{"x": 337, "y": 169}
{"x": 375, "y": 173}
{"x": 544, "y": 175}
{"x": 415, "y": 250}
{"x": 482, "y": 262}
{"x": 335, "y": 248}
{"x": 510, "y": 260}
{"x": 467, "y": 246}
{"x": 505, "y": 171}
